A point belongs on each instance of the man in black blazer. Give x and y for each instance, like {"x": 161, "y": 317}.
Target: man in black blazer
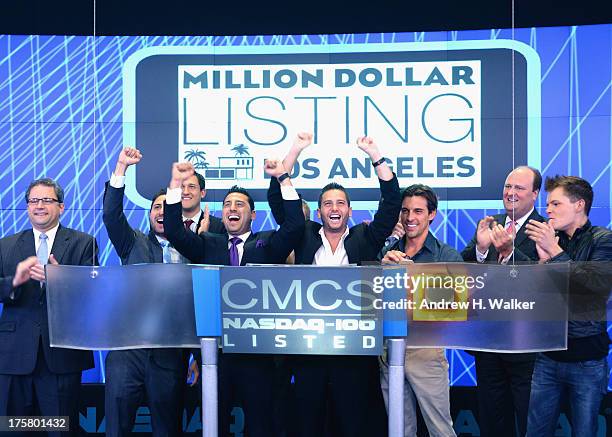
{"x": 31, "y": 372}
{"x": 504, "y": 380}
{"x": 353, "y": 381}
{"x": 246, "y": 379}
{"x": 160, "y": 373}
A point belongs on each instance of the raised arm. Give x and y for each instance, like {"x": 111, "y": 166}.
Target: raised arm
{"x": 119, "y": 230}
{"x": 383, "y": 171}
{"x": 302, "y": 140}
{"x": 390, "y": 203}
{"x": 275, "y": 200}
{"x": 286, "y": 238}
{"x": 187, "y": 243}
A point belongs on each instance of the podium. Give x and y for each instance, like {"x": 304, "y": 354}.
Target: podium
{"x": 313, "y": 310}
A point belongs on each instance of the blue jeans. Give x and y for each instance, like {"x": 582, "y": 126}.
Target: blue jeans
{"x": 586, "y": 383}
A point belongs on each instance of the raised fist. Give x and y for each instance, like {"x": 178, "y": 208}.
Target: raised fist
{"x": 180, "y": 172}
{"x": 274, "y": 167}
{"x": 129, "y": 156}
{"x": 303, "y": 140}
{"x": 368, "y": 145}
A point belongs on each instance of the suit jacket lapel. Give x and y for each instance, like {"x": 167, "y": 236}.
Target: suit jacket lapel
{"x": 248, "y": 245}
{"x": 197, "y": 228}
{"x": 352, "y": 249}
{"x": 312, "y": 245}
{"x": 62, "y": 239}
{"x": 157, "y": 253}
{"x": 521, "y": 236}
{"x": 26, "y": 244}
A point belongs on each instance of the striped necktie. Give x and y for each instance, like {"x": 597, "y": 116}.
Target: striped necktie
{"x": 166, "y": 254}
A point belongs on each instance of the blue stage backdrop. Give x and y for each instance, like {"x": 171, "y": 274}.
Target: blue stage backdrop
{"x": 447, "y": 109}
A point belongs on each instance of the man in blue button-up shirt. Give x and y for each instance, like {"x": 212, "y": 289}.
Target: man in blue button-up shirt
{"x": 426, "y": 369}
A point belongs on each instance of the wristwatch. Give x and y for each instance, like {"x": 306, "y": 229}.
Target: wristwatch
{"x": 377, "y": 163}
{"x": 282, "y": 177}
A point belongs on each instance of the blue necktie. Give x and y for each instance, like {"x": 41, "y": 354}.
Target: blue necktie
{"x": 43, "y": 250}
{"x": 233, "y": 251}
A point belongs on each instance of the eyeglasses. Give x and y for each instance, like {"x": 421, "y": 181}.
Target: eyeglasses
{"x": 44, "y": 200}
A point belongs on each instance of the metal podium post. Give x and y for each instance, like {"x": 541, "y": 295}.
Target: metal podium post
{"x": 396, "y": 353}
{"x": 210, "y": 426}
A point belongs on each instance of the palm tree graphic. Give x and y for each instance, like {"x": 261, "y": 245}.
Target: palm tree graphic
{"x": 240, "y": 150}
{"x": 197, "y": 157}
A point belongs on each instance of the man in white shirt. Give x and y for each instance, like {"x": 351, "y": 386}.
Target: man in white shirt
{"x": 353, "y": 380}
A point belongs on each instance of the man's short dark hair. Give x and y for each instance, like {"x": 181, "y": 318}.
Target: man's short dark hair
{"x": 537, "y": 177}
{"x": 47, "y": 182}
{"x": 161, "y": 192}
{"x": 422, "y": 191}
{"x": 334, "y": 186}
{"x": 574, "y": 187}
{"x": 201, "y": 181}
{"x": 240, "y": 190}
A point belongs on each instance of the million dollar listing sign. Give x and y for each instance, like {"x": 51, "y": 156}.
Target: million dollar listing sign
{"x": 425, "y": 116}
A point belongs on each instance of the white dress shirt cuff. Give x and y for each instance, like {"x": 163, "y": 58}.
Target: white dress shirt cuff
{"x": 288, "y": 192}
{"x": 117, "y": 181}
{"x": 481, "y": 257}
{"x": 173, "y": 195}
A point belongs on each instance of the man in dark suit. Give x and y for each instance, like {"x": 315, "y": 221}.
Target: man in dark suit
{"x": 36, "y": 379}
{"x": 504, "y": 380}
{"x": 355, "y": 393}
{"x": 158, "y": 373}
{"x": 246, "y": 379}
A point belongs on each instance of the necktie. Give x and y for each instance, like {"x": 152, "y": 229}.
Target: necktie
{"x": 511, "y": 230}
{"x": 166, "y": 255}
{"x": 43, "y": 250}
{"x": 188, "y": 224}
{"x": 233, "y": 251}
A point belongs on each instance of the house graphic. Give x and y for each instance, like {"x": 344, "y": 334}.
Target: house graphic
{"x": 231, "y": 167}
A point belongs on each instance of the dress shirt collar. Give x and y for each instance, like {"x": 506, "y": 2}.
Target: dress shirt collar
{"x": 520, "y": 221}
{"x": 51, "y": 233}
{"x": 324, "y": 256}
{"x": 244, "y": 237}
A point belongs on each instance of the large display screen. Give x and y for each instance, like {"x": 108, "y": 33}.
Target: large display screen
{"x": 455, "y": 110}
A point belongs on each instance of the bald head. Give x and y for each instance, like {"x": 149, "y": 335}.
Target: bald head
{"x": 521, "y": 191}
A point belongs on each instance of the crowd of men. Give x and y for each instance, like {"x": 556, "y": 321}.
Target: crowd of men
{"x": 518, "y": 393}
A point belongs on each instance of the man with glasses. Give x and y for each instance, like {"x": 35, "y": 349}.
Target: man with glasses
{"x": 36, "y": 379}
